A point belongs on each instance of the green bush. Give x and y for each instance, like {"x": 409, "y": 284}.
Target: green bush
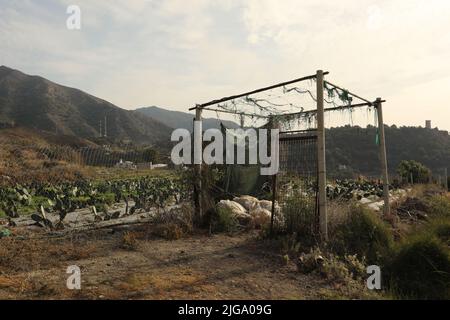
{"x": 440, "y": 228}
{"x": 364, "y": 234}
{"x": 419, "y": 268}
{"x": 408, "y": 169}
{"x": 443, "y": 232}
{"x": 223, "y": 220}
{"x": 439, "y": 206}
{"x": 300, "y": 218}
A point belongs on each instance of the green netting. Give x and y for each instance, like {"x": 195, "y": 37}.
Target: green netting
{"x": 244, "y": 179}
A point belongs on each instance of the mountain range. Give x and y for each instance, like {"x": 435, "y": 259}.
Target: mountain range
{"x": 72, "y": 117}
{"x": 37, "y": 103}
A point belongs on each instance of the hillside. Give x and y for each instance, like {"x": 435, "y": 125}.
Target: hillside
{"x": 35, "y": 102}
{"x": 177, "y": 119}
{"x": 355, "y": 148}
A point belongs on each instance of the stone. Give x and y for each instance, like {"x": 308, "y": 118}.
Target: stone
{"x": 365, "y": 201}
{"x": 235, "y": 208}
{"x": 260, "y": 217}
{"x": 248, "y": 202}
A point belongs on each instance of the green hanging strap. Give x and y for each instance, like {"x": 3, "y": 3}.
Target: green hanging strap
{"x": 377, "y": 135}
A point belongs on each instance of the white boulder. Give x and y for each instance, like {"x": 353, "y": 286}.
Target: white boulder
{"x": 248, "y": 202}
{"x": 365, "y": 201}
{"x": 260, "y": 217}
{"x": 267, "y": 205}
{"x": 235, "y": 208}
{"x": 376, "y": 206}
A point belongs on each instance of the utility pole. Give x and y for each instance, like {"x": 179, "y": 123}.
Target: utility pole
{"x": 321, "y": 164}
{"x": 383, "y": 159}
{"x": 105, "y": 128}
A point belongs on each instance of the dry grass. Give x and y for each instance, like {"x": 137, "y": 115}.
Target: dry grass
{"x": 22, "y": 162}
{"x": 30, "y": 255}
{"x": 129, "y": 241}
{"x": 158, "y": 285}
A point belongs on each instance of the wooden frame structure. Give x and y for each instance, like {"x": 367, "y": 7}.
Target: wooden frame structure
{"x": 321, "y": 146}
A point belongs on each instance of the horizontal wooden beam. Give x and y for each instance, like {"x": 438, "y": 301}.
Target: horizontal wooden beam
{"x": 351, "y": 93}
{"x": 237, "y": 113}
{"x": 213, "y": 102}
{"x": 358, "y": 105}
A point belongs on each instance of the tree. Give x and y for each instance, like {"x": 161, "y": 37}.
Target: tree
{"x": 151, "y": 155}
{"x": 413, "y": 170}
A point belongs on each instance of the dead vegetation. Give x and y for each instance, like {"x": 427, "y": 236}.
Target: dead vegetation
{"x": 21, "y": 161}
{"x": 134, "y": 263}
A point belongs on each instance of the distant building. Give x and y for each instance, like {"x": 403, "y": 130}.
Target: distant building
{"x": 428, "y": 124}
{"x": 125, "y": 165}
{"x": 151, "y": 166}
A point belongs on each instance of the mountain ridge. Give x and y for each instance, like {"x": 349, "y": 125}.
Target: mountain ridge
{"x": 184, "y": 120}
{"x": 38, "y": 103}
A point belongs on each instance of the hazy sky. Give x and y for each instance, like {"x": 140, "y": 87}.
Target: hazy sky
{"x": 176, "y": 53}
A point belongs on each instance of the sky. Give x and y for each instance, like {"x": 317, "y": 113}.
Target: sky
{"x": 176, "y": 53}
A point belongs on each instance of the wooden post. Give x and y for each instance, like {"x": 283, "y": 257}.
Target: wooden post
{"x": 321, "y": 164}
{"x": 446, "y": 179}
{"x": 198, "y": 155}
{"x": 274, "y": 125}
{"x": 383, "y": 159}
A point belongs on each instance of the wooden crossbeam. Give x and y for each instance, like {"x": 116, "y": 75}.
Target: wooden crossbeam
{"x": 207, "y": 104}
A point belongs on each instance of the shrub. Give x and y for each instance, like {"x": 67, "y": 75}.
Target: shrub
{"x": 169, "y": 231}
{"x": 363, "y": 233}
{"x": 442, "y": 231}
{"x": 223, "y": 220}
{"x": 408, "y": 169}
{"x": 290, "y": 244}
{"x": 129, "y": 241}
{"x": 331, "y": 266}
{"x": 440, "y": 228}
{"x": 419, "y": 268}
{"x": 175, "y": 224}
{"x": 300, "y": 218}
{"x": 439, "y": 206}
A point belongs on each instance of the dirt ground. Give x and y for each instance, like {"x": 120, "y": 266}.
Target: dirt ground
{"x": 130, "y": 264}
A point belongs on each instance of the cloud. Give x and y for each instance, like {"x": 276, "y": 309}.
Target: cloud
{"x": 177, "y": 53}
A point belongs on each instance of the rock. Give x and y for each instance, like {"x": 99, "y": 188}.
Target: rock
{"x": 365, "y": 201}
{"x": 235, "y": 208}
{"x": 260, "y": 217}
{"x": 258, "y": 211}
{"x": 248, "y": 202}
{"x": 376, "y": 206}
{"x": 267, "y": 205}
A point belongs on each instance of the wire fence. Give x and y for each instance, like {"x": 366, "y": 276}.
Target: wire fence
{"x": 297, "y": 182}
{"x": 97, "y": 156}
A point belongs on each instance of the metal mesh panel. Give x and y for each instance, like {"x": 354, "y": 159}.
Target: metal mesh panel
{"x": 297, "y": 181}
